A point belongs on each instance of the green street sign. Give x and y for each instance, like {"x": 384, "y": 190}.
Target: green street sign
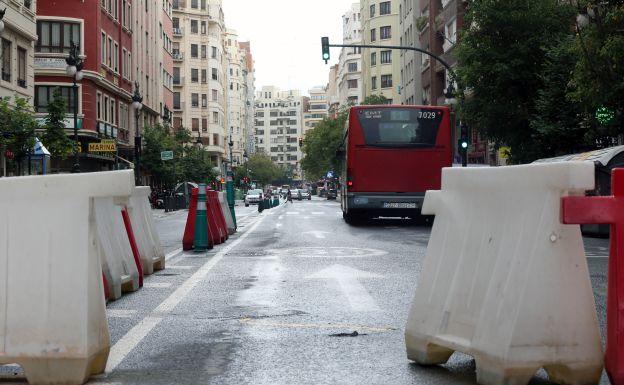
{"x": 605, "y": 115}
{"x": 166, "y": 155}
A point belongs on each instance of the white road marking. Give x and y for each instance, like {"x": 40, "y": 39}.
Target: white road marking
{"x": 130, "y": 340}
{"x": 157, "y": 285}
{"x": 180, "y": 267}
{"x": 172, "y": 254}
{"x": 347, "y": 277}
{"x": 292, "y": 212}
{"x": 306, "y": 217}
{"x": 280, "y": 217}
{"x": 317, "y": 234}
{"x": 317, "y": 213}
{"x": 120, "y": 313}
{"x": 278, "y": 225}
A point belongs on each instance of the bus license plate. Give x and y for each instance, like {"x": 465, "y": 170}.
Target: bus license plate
{"x": 399, "y": 205}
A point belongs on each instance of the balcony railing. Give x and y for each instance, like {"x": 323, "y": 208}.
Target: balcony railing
{"x": 179, "y": 81}
{"x": 178, "y": 31}
{"x": 178, "y": 56}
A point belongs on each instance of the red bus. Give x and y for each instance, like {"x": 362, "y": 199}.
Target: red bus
{"x": 393, "y": 155}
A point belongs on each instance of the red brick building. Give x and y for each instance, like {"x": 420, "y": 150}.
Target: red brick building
{"x": 103, "y": 31}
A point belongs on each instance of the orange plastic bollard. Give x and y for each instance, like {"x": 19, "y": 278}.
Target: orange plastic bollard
{"x": 610, "y": 210}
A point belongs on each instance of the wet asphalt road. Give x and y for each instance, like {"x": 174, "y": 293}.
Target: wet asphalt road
{"x": 279, "y": 302}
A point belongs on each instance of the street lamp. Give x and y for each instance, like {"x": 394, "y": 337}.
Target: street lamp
{"x": 74, "y": 69}
{"x": 229, "y": 185}
{"x": 137, "y": 104}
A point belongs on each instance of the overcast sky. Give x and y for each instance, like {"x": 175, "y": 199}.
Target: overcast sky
{"x": 285, "y": 38}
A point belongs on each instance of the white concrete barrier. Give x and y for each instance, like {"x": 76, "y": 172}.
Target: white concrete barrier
{"x": 148, "y": 242}
{"x": 114, "y": 249}
{"x": 225, "y": 208}
{"x": 52, "y": 310}
{"x": 503, "y": 280}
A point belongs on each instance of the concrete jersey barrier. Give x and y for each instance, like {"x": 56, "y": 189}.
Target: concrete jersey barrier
{"x": 148, "y": 241}
{"x": 52, "y": 310}
{"x": 227, "y": 214}
{"x": 503, "y": 280}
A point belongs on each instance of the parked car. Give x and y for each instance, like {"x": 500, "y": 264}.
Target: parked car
{"x": 305, "y": 194}
{"x": 332, "y": 193}
{"x": 253, "y": 197}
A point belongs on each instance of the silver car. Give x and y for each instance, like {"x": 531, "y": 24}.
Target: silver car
{"x": 253, "y": 197}
{"x": 305, "y": 194}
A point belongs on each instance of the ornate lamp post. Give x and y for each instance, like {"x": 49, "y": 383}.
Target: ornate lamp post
{"x": 229, "y": 185}
{"x": 137, "y": 104}
{"x": 74, "y": 69}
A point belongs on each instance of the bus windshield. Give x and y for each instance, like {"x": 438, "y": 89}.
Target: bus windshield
{"x": 400, "y": 127}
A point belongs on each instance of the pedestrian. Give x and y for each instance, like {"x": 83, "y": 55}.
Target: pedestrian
{"x": 289, "y": 196}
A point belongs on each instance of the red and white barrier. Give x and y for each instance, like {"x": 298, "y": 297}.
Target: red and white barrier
{"x": 52, "y": 310}
{"x": 503, "y": 280}
{"x": 227, "y": 214}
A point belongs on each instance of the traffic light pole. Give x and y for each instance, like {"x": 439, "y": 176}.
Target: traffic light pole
{"x": 463, "y": 151}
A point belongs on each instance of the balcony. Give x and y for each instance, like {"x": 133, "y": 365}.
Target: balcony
{"x": 179, "y": 4}
{"x": 179, "y": 82}
{"x": 178, "y": 107}
{"x": 178, "y": 56}
{"x": 178, "y": 31}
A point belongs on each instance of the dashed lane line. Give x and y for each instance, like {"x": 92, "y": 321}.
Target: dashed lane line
{"x": 132, "y": 338}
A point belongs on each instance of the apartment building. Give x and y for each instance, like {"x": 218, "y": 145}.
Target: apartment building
{"x": 381, "y": 67}
{"x": 316, "y": 109}
{"x": 237, "y": 96}
{"x": 250, "y": 91}
{"x": 349, "y": 74}
{"x": 278, "y": 127}
{"x": 17, "y": 40}
{"x": 411, "y": 61}
{"x": 104, "y": 35}
{"x": 333, "y": 100}
{"x": 199, "y": 74}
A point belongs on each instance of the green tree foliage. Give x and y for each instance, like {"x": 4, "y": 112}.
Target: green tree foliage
{"x": 189, "y": 163}
{"x": 320, "y": 145}
{"x": 262, "y": 169}
{"x": 375, "y": 100}
{"x": 599, "y": 72}
{"x": 502, "y": 55}
{"x": 54, "y": 137}
{"x": 17, "y": 128}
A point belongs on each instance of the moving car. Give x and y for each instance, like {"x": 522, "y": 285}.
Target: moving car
{"x": 253, "y": 197}
{"x": 305, "y": 194}
{"x": 332, "y": 193}
{"x": 296, "y": 194}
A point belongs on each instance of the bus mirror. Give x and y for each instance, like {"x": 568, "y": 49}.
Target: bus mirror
{"x": 341, "y": 154}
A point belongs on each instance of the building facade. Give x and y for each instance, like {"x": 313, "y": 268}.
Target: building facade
{"x": 199, "y": 74}
{"x": 349, "y": 74}
{"x": 381, "y": 67}
{"x": 237, "y": 95}
{"x": 249, "y": 75}
{"x": 104, "y": 35}
{"x": 411, "y": 61}
{"x": 278, "y": 127}
{"x": 17, "y": 43}
{"x": 316, "y": 109}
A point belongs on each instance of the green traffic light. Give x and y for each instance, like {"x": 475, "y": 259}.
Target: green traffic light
{"x": 464, "y": 144}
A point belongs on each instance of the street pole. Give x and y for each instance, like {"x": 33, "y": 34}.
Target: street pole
{"x": 74, "y": 69}
{"x": 229, "y": 184}
{"x": 76, "y": 168}
{"x": 137, "y": 103}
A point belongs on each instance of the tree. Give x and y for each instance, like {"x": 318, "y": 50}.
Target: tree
{"x": 17, "y": 129}
{"x": 320, "y": 145}
{"x": 375, "y": 100}
{"x": 262, "y": 169}
{"x": 502, "y": 53}
{"x": 54, "y": 137}
{"x": 599, "y": 72}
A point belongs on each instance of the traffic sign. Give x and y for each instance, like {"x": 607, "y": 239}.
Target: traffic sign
{"x": 330, "y": 174}
{"x": 166, "y": 155}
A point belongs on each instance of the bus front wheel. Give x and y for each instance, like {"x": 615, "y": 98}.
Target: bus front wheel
{"x": 352, "y": 219}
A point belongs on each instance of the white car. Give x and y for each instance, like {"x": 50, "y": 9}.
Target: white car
{"x": 305, "y": 194}
{"x": 253, "y": 197}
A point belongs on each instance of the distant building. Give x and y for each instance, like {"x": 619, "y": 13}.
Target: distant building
{"x": 237, "y": 95}
{"x": 381, "y": 68}
{"x": 278, "y": 127}
{"x": 316, "y": 109}
{"x": 249, "y": 79}
{"x": 350, "y": 62}
{"x": 411, "y": 61}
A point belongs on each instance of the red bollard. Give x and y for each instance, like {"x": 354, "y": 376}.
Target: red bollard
{"x": 219, "y": 215}
{"x": 214, "y": 217}
{"x": 133, "y": 245}
{"x": 610, "y": 210}
{"x": 106, "y": 292}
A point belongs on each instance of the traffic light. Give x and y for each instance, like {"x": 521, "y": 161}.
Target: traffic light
{"x": 300, "y": 142}
{"x": 463, "y": 143}
{"x": 325, "y": 47}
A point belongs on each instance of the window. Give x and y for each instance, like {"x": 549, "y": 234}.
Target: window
{"x": 21, "y": 67}
{"x": 194, "y": 75}
{"x": 203, "y": 76}
{"x": 195, "y": 124}
{"x": 194, "y": 26}
{"x": 215, "y": 139}
{"x": 112, "y": 112}
{"x": 373, "y": 33}
{"x": 176, "y": 101}
{"x": 98, "y": 106}
{"x": 103, "y": 43}
{"x": 372, "y": 10}
{"x": 386, "y": 57}
{"x": 203, "y": 51}
{"x": 385, "y": 32}
{"x": 390, "y": 127}
{"x": 214, "y": 52}
{"x": 215, "y": 95}
{"x": 109, "y": 57}
{"x": 203, "y": 27}
{"x": 373, "y": 58}
{"x": 353, "y": 67}
{"x": 176, "y": 75}
{"x": 194, "y": 100}
{"x": 386, "y": 81}
{"x": 215, "y": 75}
{"x": 384, "y": 8}
{"x": 205, "y": 125}
{"x": 450, "y": 32}
{"x": 204, "y": 100}
{"x": 374, "y": 82}
{"x": 352, "y": 83}
{"x": 194, "y": 4}
{"x": 215, "y": 119}
{"x": 6, "y": 60}
{"x": 56, "y": 37}
{"x": 203, "y": 4}
{"x": 194, "y": 51}
{"x": 45, "y": 94}
{"x": 116, "y": 58}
